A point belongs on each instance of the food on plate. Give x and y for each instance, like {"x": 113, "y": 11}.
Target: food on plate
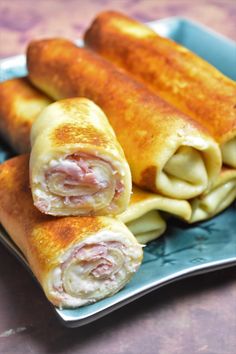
{"x": 20, "y": 105}
{"x": 173, "y": 72}
{"x": 77, "y": 166}
{"x": 143, "y": 218}
{"x": 77, "y": 260}
{"x": 168, "y": 152}
{"x": 221, "y": 195}
{"x": 142, "y": 215}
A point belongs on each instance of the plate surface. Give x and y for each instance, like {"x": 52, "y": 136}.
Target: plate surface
{"x": 184, "y": 250}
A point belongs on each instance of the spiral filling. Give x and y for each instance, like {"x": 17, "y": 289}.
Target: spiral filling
{"x": 91, "y": 271}
{"x": 79, "y": 181}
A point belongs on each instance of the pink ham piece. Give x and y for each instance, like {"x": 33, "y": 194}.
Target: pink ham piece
{"x": 77, "y": 260}
{"x": 92, "y": 268}
{"x": 77, "y": 166}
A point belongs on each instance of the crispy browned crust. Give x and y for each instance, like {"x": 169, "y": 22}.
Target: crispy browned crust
{"x": 85, "y": 132}
{"x": 71, "y": 134}
{"x": 170, "y": 70}
{"x": 76, "y": 128}
{"x": 144, "y": 123}
{"x": 40, "y": 237}
{"x": 20, "y": 105}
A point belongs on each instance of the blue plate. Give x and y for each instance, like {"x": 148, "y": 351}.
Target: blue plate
{"x": 184, "y": 250}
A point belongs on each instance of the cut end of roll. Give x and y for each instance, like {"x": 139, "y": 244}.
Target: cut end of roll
{"x": 77, "y": 166}
{"x": 79, "y": 184}
{"x": 94, "y": 269}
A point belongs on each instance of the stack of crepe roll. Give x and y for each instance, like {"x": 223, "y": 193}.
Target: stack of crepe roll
{"x": 65, "y": 223}
{"x": 169, "y": 152}
{"x": 87, "y": 126}
{"x": 172, "y": 72}
{"x": 77, "y": 260}
{"x": 184, "y": 80}
{"x": 74, "y": 236}
{"x": 142, "y": 215}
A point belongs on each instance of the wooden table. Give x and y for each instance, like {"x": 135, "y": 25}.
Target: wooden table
{"x": 196, "y": 315}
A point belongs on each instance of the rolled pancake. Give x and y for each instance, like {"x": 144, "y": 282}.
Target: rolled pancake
{"x": 77, "y": 166}
{"x": 143, "y": 218}
{"x": 222, "y": 194}
{"x": 168, "y": 153}
{"x": 173, "y": 72}
{"x": 77, "y": 260}
{"x": 20, "y": 104}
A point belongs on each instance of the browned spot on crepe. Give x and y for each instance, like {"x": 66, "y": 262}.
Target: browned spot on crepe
{"x": 149, "y": 177}
{"x": 72, "y": 134}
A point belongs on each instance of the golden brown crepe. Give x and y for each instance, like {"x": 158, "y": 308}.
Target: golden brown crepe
{"x": 143, "y": 218}
{"x": 221, "y": 195}
{"x": 20, "y": 105}
{"x": 168, "y": 153}
{"x": 171, "y": 71}
{"x": 77, "y": 260}
{"x": 142, "y": 215}
{"x": 77, "y": 166}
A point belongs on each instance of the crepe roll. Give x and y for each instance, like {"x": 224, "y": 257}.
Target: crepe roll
{"x": 222, "y": 194}
{"x": 171, "y": 71}
{"x": 168, "y": 153}
{"x": 143, "y": 216}
{"x": 77, "y": 166}
{"x": 77, "y": 260}
{"x": 20, "y": 104}
{"x": 148, "y": 227}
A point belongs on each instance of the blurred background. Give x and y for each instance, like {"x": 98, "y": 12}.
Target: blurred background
{"x": 23, "y": 20}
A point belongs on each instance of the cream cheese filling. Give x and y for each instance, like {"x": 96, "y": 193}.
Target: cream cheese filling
{"x": 58, "y": 191}
{"x": 96, "y": 268}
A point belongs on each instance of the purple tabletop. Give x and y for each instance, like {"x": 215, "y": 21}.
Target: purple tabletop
{"x": 196, "y": 315}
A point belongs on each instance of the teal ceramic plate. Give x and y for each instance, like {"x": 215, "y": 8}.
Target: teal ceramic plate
{"x": 184, "y": 250}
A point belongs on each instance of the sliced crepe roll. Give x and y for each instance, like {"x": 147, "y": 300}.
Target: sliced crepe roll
{"x": 222, "y": 194}
{"x": 171, "y": 71}
{"x": 20, "y": 104}
{"x": 143, "y": 218}
{"x": 77, "y": 260}
{"x": 168, "y": 153}
{"x": 77, "y": 166}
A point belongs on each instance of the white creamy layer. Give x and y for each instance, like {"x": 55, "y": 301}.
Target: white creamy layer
{"x": 59, "y": 192}
{"x": 94, "y": 269}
